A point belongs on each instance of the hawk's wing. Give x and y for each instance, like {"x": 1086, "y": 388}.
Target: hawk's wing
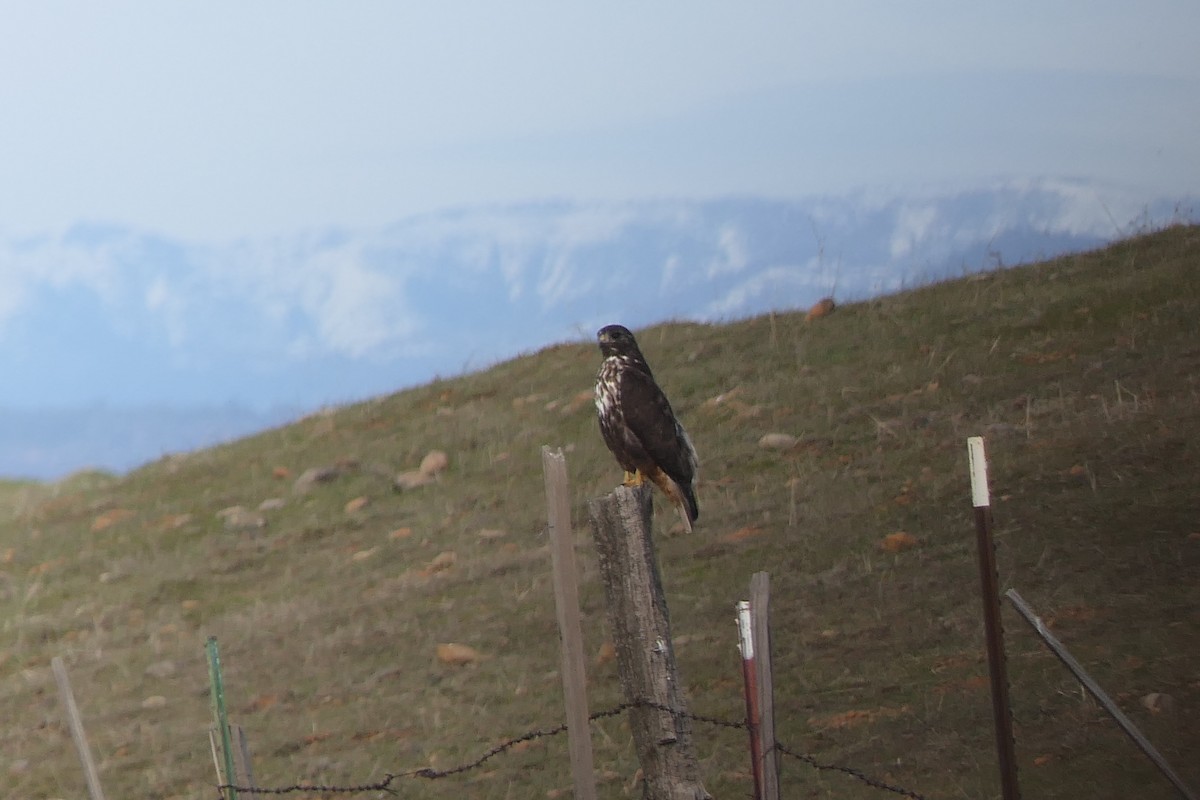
{"x": 649, "y": 417}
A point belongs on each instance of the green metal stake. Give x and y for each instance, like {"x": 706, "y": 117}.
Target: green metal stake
{"x": 219, "y": 714}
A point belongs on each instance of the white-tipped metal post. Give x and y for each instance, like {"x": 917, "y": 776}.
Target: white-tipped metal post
{"x": 750, "y": 678}
{"x": 994, "y": 632}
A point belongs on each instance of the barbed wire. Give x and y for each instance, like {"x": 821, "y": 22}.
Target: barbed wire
{"x": 851, "y": 771}
{"x": 434, "y": 774}
{"x": 388, "y": 782}
{"x": 384, "y": 785}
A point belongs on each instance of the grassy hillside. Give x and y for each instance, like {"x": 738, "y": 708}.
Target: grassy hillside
{"x": 1083, "y": 374}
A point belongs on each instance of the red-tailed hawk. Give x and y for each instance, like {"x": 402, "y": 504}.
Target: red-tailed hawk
{"x": 638, "y": 425}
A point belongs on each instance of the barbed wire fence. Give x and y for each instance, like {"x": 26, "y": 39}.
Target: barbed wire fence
{"x": 757, "y": 724}
{"x": 759, "y": 715}
{"x": 639, "y": 624}
{"x": 391, "y": 781}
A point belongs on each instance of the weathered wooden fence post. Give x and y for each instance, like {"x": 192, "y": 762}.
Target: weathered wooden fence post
{"x": 638, "y": 617}
{"x": 566, "y": 604}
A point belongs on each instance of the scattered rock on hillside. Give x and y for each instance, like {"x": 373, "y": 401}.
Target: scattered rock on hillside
{"x": 238, "y": 518}
{"x": 172, "y": 522}
{"x": 822, "y": 308}
{"x": 742, "y": 534}
{"x": 1157, "y": 702}
{"x": 154, "y": 701}
{"x": 105, "y": 577}
{"x": 442, "y": 562}
{"x": 778, "y": 441}
{"x": 314, "y": 475}
{"x": 898, "y": 542}
{"x": 457, "y": 654}
{"x": 110, "y": 518}
{"x": 281, "y": 473}
{"x": 412, "y": 479}
{"x": 432, "y": 465}
{"x": 730, "y": 400}
{"x": 722, "y": 398}
{"x": 357, "y": 504}
{"x": 272, "y": 504}
{"x": 435, "y": 462}
{"x": 162, "y": 669}
{"x": 363, "y": 555}
{"x": 491, "y": 534}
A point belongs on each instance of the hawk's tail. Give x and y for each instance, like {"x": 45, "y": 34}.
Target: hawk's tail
{"x": 681, "y": 495}
{"x": 689, "y": 499}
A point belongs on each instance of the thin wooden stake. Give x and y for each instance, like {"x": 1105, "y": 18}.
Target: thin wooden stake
{"x": 221, "y": 717}
{"x": 215, "y": 746}
{"x": 1088, "y": 683}
{"x": 641, "y": 627}
{"x": 994, "y": 632}
{"x": 95, "y": 791}
{"x": 760, "y": 594}
{"x": 241, "y": 755}
{"x": 566, "y": 603}
{"x": 750, "y": 679}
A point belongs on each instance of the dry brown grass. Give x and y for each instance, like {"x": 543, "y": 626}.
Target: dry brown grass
{"x": 1081, "y": 372}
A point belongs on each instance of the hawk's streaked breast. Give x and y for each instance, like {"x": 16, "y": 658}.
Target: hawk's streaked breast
{"x": 638, "y": 425}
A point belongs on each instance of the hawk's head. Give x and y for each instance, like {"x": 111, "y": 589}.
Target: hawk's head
{"x": 616, "y": 340}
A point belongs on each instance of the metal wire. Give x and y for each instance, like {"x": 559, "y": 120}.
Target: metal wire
{"x": 389, "y": 781}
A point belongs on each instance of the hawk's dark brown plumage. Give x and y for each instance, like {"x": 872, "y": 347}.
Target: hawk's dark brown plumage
{"x": 638, "y": 425}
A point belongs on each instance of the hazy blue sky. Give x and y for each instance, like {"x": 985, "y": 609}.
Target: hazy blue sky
{"x": 211, "y": 120}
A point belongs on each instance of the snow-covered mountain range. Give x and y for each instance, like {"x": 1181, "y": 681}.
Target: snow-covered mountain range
{"x": 117, "y": 346}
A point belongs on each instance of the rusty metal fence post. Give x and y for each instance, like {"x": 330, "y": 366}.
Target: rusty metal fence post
{"x": 994, "y": 632}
